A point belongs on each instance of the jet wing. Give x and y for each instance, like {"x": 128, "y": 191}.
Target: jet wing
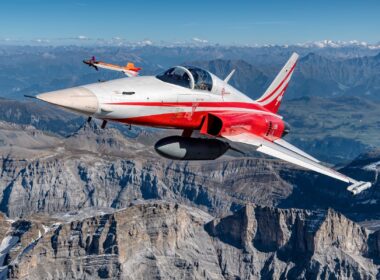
{"x": 287, "y": 152}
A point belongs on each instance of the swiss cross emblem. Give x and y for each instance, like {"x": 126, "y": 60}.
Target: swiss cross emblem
{"x": 223, "y": 92}
{"x": 189, "y": 115}
{"x": 194, "y": 107}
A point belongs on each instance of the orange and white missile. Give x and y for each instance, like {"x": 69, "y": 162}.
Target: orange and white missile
{"x": 130, "y": 69}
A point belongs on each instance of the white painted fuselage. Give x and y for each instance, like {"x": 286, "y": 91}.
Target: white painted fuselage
{"x": 150, "y": 101}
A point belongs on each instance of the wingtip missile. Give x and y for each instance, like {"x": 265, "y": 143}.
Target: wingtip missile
{"x": 131, "y": 66}
{"x": 130, "y": 69}
{"x": 91, "y": 62}
{"x": 358, "y": 187}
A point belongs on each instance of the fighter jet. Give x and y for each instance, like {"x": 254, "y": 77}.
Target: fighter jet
{"x": 193, "y": 99}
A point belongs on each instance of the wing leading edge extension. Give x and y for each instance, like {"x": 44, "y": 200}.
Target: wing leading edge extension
{"x": 287, "y": 152}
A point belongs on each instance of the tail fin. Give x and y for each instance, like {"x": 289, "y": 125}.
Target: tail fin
{"x": 272, "y": 97}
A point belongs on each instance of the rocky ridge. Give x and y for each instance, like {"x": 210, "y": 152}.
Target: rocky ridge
{"x": 160, "y": 240}
{"x": 86, "y": 205}
{"x": 43, "y": 173}
{"x": 100, "y": 168}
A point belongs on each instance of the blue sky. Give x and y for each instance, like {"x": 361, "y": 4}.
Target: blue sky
{"x": 225, "y": 22}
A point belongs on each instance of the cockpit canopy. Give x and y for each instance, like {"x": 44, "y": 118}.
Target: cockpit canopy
{"x": 187, "y": 76}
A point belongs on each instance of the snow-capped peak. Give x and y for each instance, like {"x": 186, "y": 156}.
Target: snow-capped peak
{"x": 338, "y": 44}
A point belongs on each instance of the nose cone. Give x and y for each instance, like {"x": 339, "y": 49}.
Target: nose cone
{"x": 77, "y": 99}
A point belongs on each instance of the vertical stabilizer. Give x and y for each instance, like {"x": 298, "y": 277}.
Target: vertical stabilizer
{"x": 272, "y": 97}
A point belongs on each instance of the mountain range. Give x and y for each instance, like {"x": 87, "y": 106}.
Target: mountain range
{"x": 81, "y": 202}
{"x": 98, "y": 204}
{"x": 321, "y": 72}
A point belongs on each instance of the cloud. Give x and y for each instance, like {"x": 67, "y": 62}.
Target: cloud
{"x": 198, "y": 40}
{"x": 48, "y": 55}
{"x": 82, "y": 37}
{"x": 145, "y": 43}
{"x": 41, "y": 41}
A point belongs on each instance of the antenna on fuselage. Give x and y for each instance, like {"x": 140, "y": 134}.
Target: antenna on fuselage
{"x": 229, "y": 76}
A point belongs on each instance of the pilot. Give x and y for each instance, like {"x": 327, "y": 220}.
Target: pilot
{"x": 203, "y": 86}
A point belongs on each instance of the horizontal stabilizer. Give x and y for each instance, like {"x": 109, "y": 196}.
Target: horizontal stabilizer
{"x": 358, "y": 187}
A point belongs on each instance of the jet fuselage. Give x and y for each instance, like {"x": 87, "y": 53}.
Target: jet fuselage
{"x": 151, "y": 102}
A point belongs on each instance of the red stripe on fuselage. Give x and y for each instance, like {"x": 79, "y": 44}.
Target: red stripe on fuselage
{"x": 233, "y": 123}
{"x": 242, "y": 105}
{"x": 180, "y": 120}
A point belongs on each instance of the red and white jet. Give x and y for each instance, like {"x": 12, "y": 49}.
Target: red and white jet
{"x": 190, "y": 98}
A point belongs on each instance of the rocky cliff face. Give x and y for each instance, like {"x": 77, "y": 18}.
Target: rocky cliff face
{"x": 42, "y": 173}
{"x": 147, "y": 241}
{"x": 290, "y": 244}
{"x": 160, "y": 240}
{"x": 102, "y": 168}
{"x": 68, "y": 190}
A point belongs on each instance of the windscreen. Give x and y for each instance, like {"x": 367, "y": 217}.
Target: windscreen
{"x": 177, "y": 76}
{"x": 202, "y": 78}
